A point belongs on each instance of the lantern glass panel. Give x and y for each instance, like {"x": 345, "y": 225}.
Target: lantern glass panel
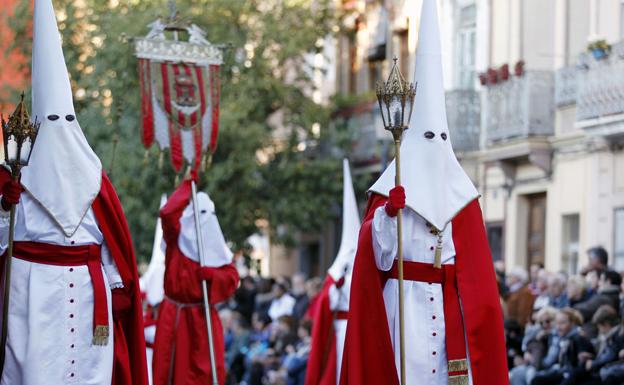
{"x": 410, "y": 108}
{"x": 25, "y": 152}
{"x": 396, "y": 111}
{"x": 11, "y": 149}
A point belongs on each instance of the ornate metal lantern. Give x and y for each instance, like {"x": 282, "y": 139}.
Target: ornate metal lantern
{"x": 395, "y": 96}
{"x": 19, "y": 135}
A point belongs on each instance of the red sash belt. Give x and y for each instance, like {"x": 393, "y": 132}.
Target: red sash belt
{"x": 454, "y": 325}
{"x": 341, "y": 315}
{"x": 89, "y": 255}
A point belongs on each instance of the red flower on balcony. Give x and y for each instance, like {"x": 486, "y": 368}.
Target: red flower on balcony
{"x": 519, "y": 68}
{"x": 492, "y": 76}
{"x": 483, "y": 78}
{"x": 503, "y": 72}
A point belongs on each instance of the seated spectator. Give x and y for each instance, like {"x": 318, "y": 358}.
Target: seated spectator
{"x": 556, "y": 291}
{"x": 245, "y": 298}
{"x": 541, "y": 290}
{"x": 598, "y": 260}
{"x": 576, "y": 290}
{"x": 567, "y": 348}
{"x": 610, "y": 343}
{"x": 302, "y": 300}
{"x": 608, "y": 294}
{"x": 537, "y": 338}
{"x": 235, "y": 353}
{"x": 282, "y": 303}
{"x": 519, "y": 297}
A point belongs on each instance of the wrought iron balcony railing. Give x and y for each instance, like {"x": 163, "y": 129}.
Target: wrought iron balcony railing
{"x": 463, "y": 112}
{"x": 519, "y": 107}
{"x": 601, "y": 85}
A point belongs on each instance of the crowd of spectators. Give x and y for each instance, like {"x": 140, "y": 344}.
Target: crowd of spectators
{"x": 564, "y": 329}
{"x": 268, "y": 324}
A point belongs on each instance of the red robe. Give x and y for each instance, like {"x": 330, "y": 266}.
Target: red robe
{"x": 129, "y": 365}
{"x": 322, "y": 365}
{"x": 368, "y": 355}
{"x": 181, "y": 353}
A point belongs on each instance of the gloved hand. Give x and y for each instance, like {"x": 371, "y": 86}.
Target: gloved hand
{"x": 11, "y": 192}
{"x": 121, "y": 302}
{"x": 206, "y": 273}
{"x": 396, "y": 201}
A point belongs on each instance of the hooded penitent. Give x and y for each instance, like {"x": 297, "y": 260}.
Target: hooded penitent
{"x": 75, "y": 311}
{"x": 181, "y": 353}
{"x": 64, "y": 174}
{"x": 453, "y": 319}
{"x": 330, "y": 323}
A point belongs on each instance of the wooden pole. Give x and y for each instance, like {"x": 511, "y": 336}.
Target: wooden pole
{"x": 7, "y": 281}
{"x": 202, "y": 261}
{"x": 397, "y": 182}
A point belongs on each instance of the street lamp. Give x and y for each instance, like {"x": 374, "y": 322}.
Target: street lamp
{"x": 394, "y": 96}
{"x": 19, "y": 135}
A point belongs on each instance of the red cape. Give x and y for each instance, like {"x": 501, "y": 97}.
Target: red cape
{"x": 181, "y": 348}
{"x": 322, "y": 364}
{"x": 368, "y": 357}
{"x": 129, "y": 367}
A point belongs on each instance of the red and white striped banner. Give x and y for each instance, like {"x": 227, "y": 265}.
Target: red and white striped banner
{"x": 180, "y": 109}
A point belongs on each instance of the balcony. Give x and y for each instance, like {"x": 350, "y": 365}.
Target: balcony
{"x": 521, "y": 107}
{"x": 601, "y": 85}
{"x": 463, "y": 112}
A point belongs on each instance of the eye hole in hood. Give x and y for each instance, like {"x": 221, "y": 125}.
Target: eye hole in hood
{"x": 53, "y": 117}
{"x": 70, "y": 118}
{"x": 429, "y": 135}
{"x": 444, "y": 136}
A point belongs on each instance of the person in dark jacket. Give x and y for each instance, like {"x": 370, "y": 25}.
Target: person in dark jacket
{"x": 608, "y": 294}
{"x": 569, "y": 345}
{"x": 609, "y": 343}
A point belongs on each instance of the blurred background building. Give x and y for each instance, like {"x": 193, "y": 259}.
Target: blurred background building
{"x": 535, "y": 104}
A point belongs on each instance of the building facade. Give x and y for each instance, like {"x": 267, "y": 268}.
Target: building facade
{"x": 535, "y": 104}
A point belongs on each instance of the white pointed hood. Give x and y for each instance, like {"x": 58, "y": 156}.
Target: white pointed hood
{"x": 216, "y": 250}
{"x": 64, "y": 174}
{"x": 350, "y": 228}
{"x": 152, "y": 282}
{"x": 436, "y": 186}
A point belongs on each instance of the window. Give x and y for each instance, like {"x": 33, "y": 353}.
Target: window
{"x": 495, "y": 238}
{"x": 570, "y": 243}
{"x": 465, "y": 51}
{"x": 619, "y": 240}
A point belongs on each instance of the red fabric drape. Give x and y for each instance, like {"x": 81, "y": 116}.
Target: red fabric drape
{"x": 322, "y": 364}
{"x": 129, "y": 366}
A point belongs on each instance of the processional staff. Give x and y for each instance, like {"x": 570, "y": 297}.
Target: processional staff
{"x": 394, "y": 96}
{"x": 19, "y": 135}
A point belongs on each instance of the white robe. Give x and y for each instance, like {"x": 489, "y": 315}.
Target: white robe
{"x": 339, "y": 301}
{"x": 50, "y": 336}
{"x": 425, "y": 348}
